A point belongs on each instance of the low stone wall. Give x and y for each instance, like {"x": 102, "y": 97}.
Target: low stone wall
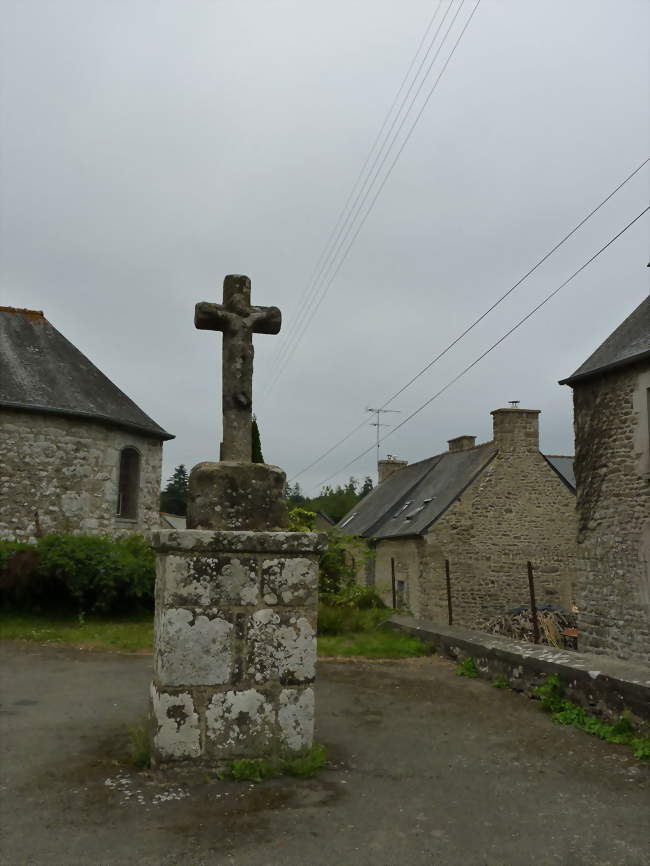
{"x": 235, "y": 643}
{"x": 605, "y": 686}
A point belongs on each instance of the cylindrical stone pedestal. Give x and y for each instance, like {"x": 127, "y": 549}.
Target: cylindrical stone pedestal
{"x": 235, "y": 643}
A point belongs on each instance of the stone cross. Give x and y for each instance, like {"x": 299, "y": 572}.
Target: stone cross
{"x": 238, "y": 321}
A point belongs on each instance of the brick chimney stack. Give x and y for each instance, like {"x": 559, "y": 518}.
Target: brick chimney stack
{"x": 461, "y": 443}
{"x": 385, "y": 468}
{"x": 516, "y": 429}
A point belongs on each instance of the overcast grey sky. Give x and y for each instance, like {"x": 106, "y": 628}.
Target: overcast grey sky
{"x": 149, "y": 147}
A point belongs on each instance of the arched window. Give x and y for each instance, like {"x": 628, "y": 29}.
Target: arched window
{"x": 129, "y": 483}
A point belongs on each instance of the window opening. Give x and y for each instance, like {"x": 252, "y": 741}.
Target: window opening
{"x": 128, "y": 485}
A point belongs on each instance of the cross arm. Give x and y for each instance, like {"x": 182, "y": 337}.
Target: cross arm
{"x": 211, "y": 317}
{"x": 265, "y": 320}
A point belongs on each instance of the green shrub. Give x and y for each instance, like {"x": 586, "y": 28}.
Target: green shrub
{"x": 335, "y": 568}
{"x": 354, "y": 595}
{"x": 301, "y": 520}
{"x": 91, "y": 573}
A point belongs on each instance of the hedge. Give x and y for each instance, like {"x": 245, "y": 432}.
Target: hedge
{"x": 89, "y": 573}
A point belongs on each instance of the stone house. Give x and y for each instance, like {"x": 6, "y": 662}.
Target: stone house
{"x": 611, "y": 399}
{"x": 488, "y": 509}
{"x": 76, "y": 454}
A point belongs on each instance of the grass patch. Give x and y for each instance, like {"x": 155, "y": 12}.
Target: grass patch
{"x": 383, "y": 643}
{"x": 336, "y": 620}
{"x": 139, "y": 747}
{"x": 466, "y": 668}
{"x": 501, "y": 683}
{"x": 565, "y": 712}
{"x": 302, "y": 765}
{"x": 126, "y": 634}
{"x": 135, "y": 634}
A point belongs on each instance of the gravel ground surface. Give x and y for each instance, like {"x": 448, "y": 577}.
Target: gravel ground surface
{"x": 425, "y": 768}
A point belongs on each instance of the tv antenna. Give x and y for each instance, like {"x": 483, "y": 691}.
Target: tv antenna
{"x": 378, "y": 423}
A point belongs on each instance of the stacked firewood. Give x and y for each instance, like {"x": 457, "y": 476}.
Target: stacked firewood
{"x": 517, "y": 624}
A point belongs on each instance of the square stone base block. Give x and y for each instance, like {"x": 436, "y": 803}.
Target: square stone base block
{"x": 235, "y": 643}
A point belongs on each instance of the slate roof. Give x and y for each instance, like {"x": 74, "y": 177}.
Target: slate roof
{"x": 410, "y": 500}
{"x": 564, "y": 468}
{"x": 41, "y": 371}
{"x": 630, "y": 342}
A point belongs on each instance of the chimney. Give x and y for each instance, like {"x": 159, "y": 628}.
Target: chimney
{"x": 516, "y": 430}
{"x": 387, "y": 467}
{"x": 461, "y": 443}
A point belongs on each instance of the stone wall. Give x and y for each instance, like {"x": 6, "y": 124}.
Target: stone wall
{"x": 613, "y": 477}
{"x": 235, "y": 643}
{"x": 60, "y": 474}
{"x": 406, "y": 554}
{"x": 517, "y": 510}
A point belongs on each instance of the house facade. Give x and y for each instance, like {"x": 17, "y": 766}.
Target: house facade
{"x": 76, "y": 454}
{"x": 486, "y": 510}
{"x": 611, "y": 396}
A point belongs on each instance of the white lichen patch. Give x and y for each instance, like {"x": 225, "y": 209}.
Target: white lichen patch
{"x": 289, "y": 581}
{"x": 240, "y": 720}
{"x": 193, "y": 650}
{"x": 281, "y": 647}
{"x": 203, "y": 581}
{"x": 177, "y": 725}
{"x": 296, "y": 718}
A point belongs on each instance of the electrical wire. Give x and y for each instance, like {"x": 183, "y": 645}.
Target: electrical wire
{"x": 310, "y": 316}
{"x": 482, "y": 316}
{"x": 342, "y": 219}
{"x": 487, "y": 351}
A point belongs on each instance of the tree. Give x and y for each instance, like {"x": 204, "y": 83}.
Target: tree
{"x": 367, "y": 486}
{"x": 173, "y": 499}
{"x": 256, "y": 456}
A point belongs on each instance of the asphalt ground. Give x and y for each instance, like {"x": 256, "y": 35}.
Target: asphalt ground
{"x": 425, "y": 768}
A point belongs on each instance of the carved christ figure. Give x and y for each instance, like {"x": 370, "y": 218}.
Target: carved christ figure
{"x": 238, "y": 321}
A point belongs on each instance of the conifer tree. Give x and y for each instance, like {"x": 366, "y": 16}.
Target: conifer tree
{"x": 256, "y": 456}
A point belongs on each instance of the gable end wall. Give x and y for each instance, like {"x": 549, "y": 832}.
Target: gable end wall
{"x": 517, "y": 510}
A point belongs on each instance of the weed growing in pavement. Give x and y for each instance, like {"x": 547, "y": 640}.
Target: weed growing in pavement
{"x": 565, "y": 712}
{"x": 466, "y": 668}
{"x": 501, "y": 683}
{"x": 139, "y": 748}
{"x": 303, "y": 765}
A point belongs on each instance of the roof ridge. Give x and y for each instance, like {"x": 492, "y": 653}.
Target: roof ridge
{"x": 31, "y": 314}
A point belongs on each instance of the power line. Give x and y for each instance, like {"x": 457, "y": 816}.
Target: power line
{"x": 323, "y": 292}
{"x": 492, "y": 347}
{"x": 292, "y": 349}
{"x": 483, "y": 315}
{"x": 340, "y": 222}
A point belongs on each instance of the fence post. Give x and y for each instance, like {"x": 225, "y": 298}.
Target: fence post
{"x": 448, "y": 579}
{"x": 392, "y": 578}
{"x": 533, "y": 605}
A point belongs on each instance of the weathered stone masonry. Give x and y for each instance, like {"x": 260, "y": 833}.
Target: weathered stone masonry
{"x": 611, "y": 414}
{"x": 516, "y": 509}
{"x": 235, "y": 646}
{"x": 60, "y": 474}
